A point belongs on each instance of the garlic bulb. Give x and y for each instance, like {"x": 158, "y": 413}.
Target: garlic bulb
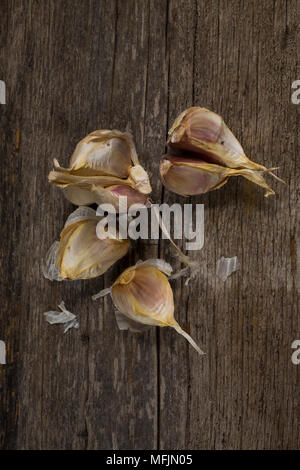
{"x": 198, "y": 133}
{"x": 80, "y": 253}
{"x": 104, "y": 164}
{"x": 143, "y": 294}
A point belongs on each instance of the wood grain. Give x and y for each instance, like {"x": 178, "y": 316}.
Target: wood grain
{"x": 75, "y": 66}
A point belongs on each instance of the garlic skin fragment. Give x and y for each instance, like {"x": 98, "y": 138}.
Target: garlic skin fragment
{"x": 227, "y": 266}
{"x": 125, "y": 323}
{"x": 143, "y": 293}
{"x": 200, "y": 133}
{"x": 64, "y": 316}
{"x": 49, "y": 267}
{"x": 102, "y": 161}
{"x": 81, "y": 254}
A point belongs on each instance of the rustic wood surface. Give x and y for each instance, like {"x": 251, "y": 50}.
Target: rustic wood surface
{"x": 74, "y": 66}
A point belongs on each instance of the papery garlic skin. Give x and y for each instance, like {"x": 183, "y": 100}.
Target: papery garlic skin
{"x": 96, "y": 194}
{"x": 102, "y": 160}
{"x": 103, "y": 152}
{"x": 140, "y": 178}
{"x": 81, "y": 254}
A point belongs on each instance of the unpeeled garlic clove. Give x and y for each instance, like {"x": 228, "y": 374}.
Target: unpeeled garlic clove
{"x": 204, "y": 132}
{"x": 201, "y": 133}
{"x": 101, "y": 160}
{"x": 81, "y": 254}
{"x": 103, "y": 152}
{"x": 143, "y": 293}
{"x": 191, "y": 176}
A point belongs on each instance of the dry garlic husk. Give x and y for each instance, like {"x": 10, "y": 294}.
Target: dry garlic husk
{"x": 103, "y": 165}
{"x": 191, "y": 176}
{"x": 143, "y": 293}
{"x": 81, "y": 254}
{"x": 201, "y": 133}
{"x": 63, "y": 316}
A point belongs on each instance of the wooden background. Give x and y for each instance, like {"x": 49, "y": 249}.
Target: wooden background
{"x": 74, "y": 66}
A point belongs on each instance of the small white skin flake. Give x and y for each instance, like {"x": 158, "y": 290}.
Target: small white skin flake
{"x": 67, "y": 318}
{"x": 227, "y": 266}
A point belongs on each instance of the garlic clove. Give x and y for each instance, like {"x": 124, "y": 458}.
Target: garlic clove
{"x": 81, "y": 254}
{"x": 197, "y": 126}
{"x": 143, "y": 293}
{"x": 204, "y": 133}
{"x": 103, "y": 152}
{"x": 190, "y": 176}
{"x": 101, "y": 160}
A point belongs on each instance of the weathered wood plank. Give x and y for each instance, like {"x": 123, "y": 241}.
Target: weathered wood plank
{"x": 73, "y": 73}
{"x": 174, "y": 375}
{"x": 245, "y": 393}
{"x": 122, "y": 395}
{"x": 71, "y": 67}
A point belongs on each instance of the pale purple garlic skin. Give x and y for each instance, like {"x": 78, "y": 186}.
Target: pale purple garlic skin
{"x": 204, "y": 132}
{"x": 188, "y": 180}
{"x": 133, "y": 196}
{"x": 200, "y": 135}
